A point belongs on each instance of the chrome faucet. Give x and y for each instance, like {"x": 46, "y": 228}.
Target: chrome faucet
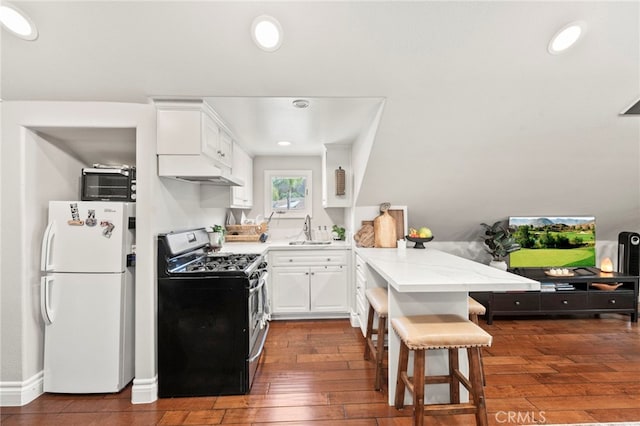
{"x": 306, "y": 228}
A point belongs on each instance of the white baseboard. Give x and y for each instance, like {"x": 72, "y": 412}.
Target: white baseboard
{"x": 354, "y": 319}
{"x": 144, "y": 391}
{"x": 17, "y": 394}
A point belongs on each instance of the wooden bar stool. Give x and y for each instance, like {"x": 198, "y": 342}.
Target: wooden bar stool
{"x": 421, "y": 333}
{"x": 378, "y": 305}
{"x": 475, "y": 309}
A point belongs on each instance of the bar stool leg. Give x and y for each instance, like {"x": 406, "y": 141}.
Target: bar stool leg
{"x": 454, "y": 384}
{"x": 418, "y": 387}
{"x": 475, "y": 377}
{"x": 368, "y": 337}
{"x": 382, "y": 325}
{"x": 403, "y": 361}
{"x": 474, "y": 319}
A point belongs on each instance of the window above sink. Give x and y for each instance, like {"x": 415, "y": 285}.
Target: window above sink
{"x": 288, "y": 193}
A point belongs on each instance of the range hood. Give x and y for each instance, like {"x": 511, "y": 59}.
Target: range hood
{"x": 195, "y": 168}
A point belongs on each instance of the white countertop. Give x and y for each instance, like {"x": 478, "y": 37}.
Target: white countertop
{"x": 284, "y": 245}
{"x": 430, "y": 270}
{"x": 257, "y": 247}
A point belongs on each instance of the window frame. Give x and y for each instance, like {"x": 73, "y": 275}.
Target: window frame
{"x": 269, "y": 175}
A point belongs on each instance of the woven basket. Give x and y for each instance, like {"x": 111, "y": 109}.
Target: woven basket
{"x": 245, "y": 233}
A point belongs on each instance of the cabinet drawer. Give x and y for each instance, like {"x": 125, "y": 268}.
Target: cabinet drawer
{"x": 360, "y": 292}
{"x": 563, "y": 301}
{"x": 516, "y": 302}
{"x": 611, "y": 300}
{"x": 294, "y": 258}
{"x": 361, "y": 278}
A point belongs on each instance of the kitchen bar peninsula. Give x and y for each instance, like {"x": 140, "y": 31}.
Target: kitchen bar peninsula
{"x": 431, "y": 282}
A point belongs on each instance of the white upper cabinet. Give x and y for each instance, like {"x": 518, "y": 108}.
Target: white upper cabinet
{"x": 210, "y": 136}
{"x": 336, "y": 156}
{"x": 193, "y": 128}
{"x": 224, "y": 152}
{"x": 242, "y": 196}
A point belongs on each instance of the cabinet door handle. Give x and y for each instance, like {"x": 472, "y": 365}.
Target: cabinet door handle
{"x": 328, "y": 259}
{"x": 564, "y": 302}
{"x": 306, "y": 273}
{"x": 313, "y": 273}
{"x": 612, "y": 301}
{"x": 290, "y": 260}
{"x": 517, "y": 303}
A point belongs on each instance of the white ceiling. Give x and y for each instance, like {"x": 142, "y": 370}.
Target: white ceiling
{"x": 472, "y": 98}
{"x": 94, "y": 145}
{"x": 260, "y": 122}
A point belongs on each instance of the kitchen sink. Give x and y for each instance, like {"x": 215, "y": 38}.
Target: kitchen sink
{"x": 309, "y": 243}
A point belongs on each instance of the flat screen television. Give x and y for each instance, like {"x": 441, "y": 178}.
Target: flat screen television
{"x": 553, "y": 241}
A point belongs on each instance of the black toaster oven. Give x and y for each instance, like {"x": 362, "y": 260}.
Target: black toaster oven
{"x": 106, "y": 184}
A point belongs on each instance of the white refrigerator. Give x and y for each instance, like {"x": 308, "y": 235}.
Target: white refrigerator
{"x": 86, "y": 296}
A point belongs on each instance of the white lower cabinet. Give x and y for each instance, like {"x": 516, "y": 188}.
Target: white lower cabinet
{"x": 362, "y": 305}
{"x": 328, "y": 288}
{"x": 290, "y": 290}
{"x": 310, "y": 288}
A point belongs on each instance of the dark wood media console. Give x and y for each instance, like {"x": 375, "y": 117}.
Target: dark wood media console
{"x": 584, "y": 298}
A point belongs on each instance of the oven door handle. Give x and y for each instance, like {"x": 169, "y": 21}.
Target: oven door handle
{"x": 264, "y": 339}
{"x": 261, "y": 283}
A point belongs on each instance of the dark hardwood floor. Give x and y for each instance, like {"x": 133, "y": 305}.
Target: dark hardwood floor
{"x": 539, "y": 370}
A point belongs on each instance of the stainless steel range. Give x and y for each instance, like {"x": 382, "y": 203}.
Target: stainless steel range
{"x": 212, "y": 317}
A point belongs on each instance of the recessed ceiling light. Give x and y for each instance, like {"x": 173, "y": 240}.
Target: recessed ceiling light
{"x": 266, "y": 32}
{"x": 300, "y": 103}
{"x": 284, "y": 143}
{"x": 17, "y": 23}
{"x": 566, "y": 37}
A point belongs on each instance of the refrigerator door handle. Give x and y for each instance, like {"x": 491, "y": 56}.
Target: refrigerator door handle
{"x": 45, "y": 300}
{"x": 47, "y": 241}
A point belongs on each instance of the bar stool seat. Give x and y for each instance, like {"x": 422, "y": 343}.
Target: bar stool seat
{"x": 420, "y": 333}
{"x": 475, "y": 309}
{"x": 378, "y": 306}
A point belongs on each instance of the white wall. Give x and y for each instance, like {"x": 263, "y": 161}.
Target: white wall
{"x": 361, "y": 150}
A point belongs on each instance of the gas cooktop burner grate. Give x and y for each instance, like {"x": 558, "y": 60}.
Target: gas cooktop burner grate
{"x": 222, "y": 263}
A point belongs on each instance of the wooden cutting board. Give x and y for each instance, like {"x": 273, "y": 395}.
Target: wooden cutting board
{"x": 384, "y": 231}
{"x": 398, "y": 215}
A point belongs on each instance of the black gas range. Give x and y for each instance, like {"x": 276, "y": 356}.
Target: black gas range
{"x": 212, "y": 316}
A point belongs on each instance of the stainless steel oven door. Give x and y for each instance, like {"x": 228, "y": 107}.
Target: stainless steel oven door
{"x": 257, "y": 306}
{"x": 258, "y": 321}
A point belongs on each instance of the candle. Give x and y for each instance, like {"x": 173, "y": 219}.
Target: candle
{"x": 606, "y": 265}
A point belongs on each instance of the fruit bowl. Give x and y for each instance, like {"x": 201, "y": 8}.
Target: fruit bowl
{"x": 419, "y": 241}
